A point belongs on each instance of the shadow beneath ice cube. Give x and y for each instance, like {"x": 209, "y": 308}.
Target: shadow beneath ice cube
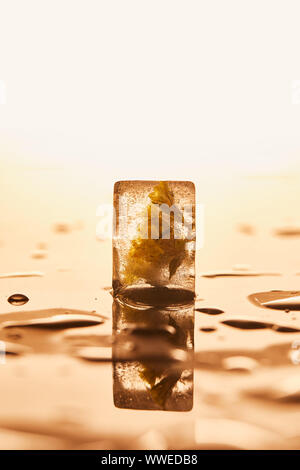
{"x": 153, "y": 357}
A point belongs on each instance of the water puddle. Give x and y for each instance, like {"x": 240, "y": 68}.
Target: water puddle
{"x": 286, "y": 390}
{"x": 241, "y": 267}
{"x": 289, "y": 231}
{"x": 246, "y": 229}
{"x": 15, "y": 349}
{"x": 92, "y": 336}
{"x": 94, "y": 354}
{"x": 244, "y": 324}
{"x": 56, "y": 322}
{"x": 277, "y": 299}
{"x": 22, "y": 274}
{"x": 239, "y": 364}
{"x": 236, "y": 273}
{"x": 210, "y": 311}
{"x": 148, "y": 331}
{"x": 39, "y": 254}
{"x": 249, "y": 324}
{"x": 62, "y": 227}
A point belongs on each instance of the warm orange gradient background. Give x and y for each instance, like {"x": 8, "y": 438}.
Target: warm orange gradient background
{"x": 137, "y": 89}
{"x": 100, "y": 91}
{"x": 104, "y": 90}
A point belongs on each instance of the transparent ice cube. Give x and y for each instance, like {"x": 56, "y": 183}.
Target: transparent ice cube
{"x": 154, "y": 239}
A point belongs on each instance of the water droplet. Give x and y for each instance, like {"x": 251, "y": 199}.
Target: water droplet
{"x": 249, "y": 324}
{"x": 56, "y": 322}
{"x": 235, "y": 273}
{"x": 244, "y": 324}
{"x": 18, "y": 299}
{"x": 285, "y": 390}
{"x": 239, "y": 364}
{"x": 287, "y": 304}
{"x": 62, "y": 227}
{"x": 78, "y": 225}
{"x": 22, "y": 274}
{"x": 210, "y": 311}
{"x": 92, "y": 336}
{"x": 41, "y": 246}
{"x": 16, "y": 349}
{"x": 241, "y": 267}
{"x": 39, "y": 254}
{"x": 289, "y": 231}
{"x": 146, "y": 331}
{"x": 95, "y": 354}
{"x": 285, "y": 329}
{"x": 246, "y": 229}
{"x": 15, "y": 336}
{"x": 280, "y": 300}
{"x": 198, "y": 298}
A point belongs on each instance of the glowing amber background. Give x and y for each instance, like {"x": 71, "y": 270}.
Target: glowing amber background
{"x": 102, "y": 91}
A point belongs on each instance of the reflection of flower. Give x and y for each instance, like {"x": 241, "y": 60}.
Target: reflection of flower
{"x": 148, "y": 256}
{"x": 161, "y": 390}
{"x": 168, "y": 331}
{"x": 160, "y": 381}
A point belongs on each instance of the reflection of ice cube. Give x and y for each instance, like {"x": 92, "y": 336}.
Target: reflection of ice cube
{"x": 172, "y": 391}
{"x": 153, "y": 358}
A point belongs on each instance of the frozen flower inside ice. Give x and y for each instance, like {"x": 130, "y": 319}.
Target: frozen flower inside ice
{"x": 157, "y": 245}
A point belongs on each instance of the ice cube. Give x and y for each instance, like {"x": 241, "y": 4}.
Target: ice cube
{"x": 154, "y": 237}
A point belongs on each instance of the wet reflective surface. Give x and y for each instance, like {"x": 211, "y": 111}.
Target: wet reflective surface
{"x": 81, "y": 371}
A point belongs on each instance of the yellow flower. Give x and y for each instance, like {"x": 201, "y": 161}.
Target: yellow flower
{"x": 161, "y": 194}
{"x": 148, "y": 256}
